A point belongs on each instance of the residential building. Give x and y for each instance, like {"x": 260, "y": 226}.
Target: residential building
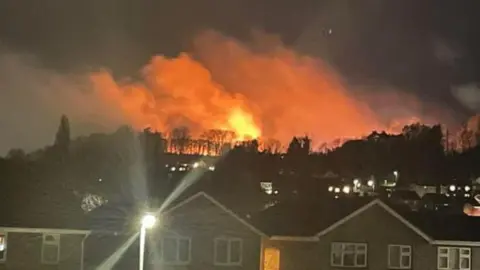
{"x": 368, "y": 235}
{"x": 40, "y": 238}
{"x": 197, "y": 232}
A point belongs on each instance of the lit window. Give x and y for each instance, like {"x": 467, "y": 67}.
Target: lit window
{"x": 174, "y": 250}
{"x": 51, "y": 248}
{"x": 3, "y": 247}
{"x": 349, "y": 255}
{"x": 228, "y": 251}
{"x": 399, "y": 257}
{"x": 271, "y": 259}
{"x": 454, "y": 258}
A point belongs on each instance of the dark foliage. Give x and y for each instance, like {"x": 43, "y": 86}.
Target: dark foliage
{"x": 131, "y": 168}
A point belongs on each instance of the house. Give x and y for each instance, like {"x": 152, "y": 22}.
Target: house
{"x": 368, "y": 235}
{"x": 40, "y": 238}
{"x": 196, "y": 232}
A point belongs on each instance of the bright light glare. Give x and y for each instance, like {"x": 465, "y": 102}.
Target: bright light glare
{"x": 355, "y": 182}
{"x": 346, "y": 189}
{"x": 148, "y": 221}
{"x": 395, "y": 173}
{"x": 452, "y": 188}
{"x": 195, "y": 165}
{"x": 337, "y": 190}
{"x": 370, "y": 183}
{"x": 467, "y": 188}
{"x": 330, "y": 188}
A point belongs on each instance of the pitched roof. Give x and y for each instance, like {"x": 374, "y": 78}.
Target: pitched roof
{"x": 300, "y": 218}
{"x": 43, "y": 212}
{"x": 219, "y": 205}
{"x": 387, "y": 208}
{"x": 450, "y": 227}
{"x": 123, "y": 217}
{"x": 312, "y": 220}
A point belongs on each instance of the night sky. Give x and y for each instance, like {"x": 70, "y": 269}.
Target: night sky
{"x": 424, "y": 47}
{"x": 389, "y": 39}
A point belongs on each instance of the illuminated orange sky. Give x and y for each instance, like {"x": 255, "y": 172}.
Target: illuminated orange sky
{"x": 259, "y": 89}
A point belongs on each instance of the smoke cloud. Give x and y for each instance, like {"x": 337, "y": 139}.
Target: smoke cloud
{"x": 468, "y": 95}
{"x": 257, "y": 89}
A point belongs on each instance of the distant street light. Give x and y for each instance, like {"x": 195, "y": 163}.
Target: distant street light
{"x": 370, "y": 183}
{"x": 452, "y": 188}
{"x": 148, "y": 222}
{"x": 467, "y": 188}
{"x": 346, "y": 189}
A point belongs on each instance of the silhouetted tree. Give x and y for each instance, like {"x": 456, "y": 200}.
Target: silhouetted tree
{"x": 180, "y": 140}
{"x": 294, "y": 147}
{"x": 16, "y": 154}
{"x": 62, "y": 138}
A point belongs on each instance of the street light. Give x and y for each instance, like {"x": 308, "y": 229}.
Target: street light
{"x": 148, "y": 221}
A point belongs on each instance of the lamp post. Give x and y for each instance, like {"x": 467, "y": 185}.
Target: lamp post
{"x": 148, "y": 221}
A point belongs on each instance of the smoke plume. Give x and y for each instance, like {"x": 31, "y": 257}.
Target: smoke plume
{"x": 257, "y": 89}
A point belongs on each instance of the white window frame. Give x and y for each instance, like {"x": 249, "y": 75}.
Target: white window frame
{"x": 56, "y": 243}
{"x": 460, "y": 257}
{"x": 229, "y": 241}
{"x": 343, "y": 253}
{"x": 177, "y": 239}
{"x": 400, "y": 255}
{"x": 4, "y": 259}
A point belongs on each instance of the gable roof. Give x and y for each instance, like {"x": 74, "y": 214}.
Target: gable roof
{"x": 368, "y": 206}
{"x": 43, "y": 212}
{"x": 455, "y": 230}
{"x": 452, "y": 227}
{"x": 202, "y": 194}
{"x": 300, "y": 218}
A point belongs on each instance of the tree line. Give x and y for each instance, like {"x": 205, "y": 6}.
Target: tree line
{"x": 132, "y": 166}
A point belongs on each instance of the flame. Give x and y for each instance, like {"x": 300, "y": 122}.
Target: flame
{"x": 177, "y": 92}
{"x": 243, "y": 125}
{"x": 257, "y": 92}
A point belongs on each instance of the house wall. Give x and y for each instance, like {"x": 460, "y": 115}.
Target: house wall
{"x": 203, "y": 221}
{"x": 376, "y": 227}
{"x": 474, "y": 259}
{"x": 24, "y": 252}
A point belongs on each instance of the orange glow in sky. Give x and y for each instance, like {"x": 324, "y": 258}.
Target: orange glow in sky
{"x": 256, "y": 92}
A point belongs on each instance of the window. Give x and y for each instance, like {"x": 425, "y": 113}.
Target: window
{"x": 399, "y": 257}
{"x": 3, "y": 246}
{"x": 349, "y": 255}
{"x": 51, "y": 248}
{"x": 454, "y": 258}
{"x": 271, "y": 259}
{"x": 174, "y": 250}
{"x": 228, "y": 251}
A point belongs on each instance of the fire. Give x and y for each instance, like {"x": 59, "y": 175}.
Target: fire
{"x": 243, "y": 125}
{"x": 264, "y": 92}
{"x": 177, "y": 92}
